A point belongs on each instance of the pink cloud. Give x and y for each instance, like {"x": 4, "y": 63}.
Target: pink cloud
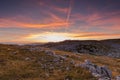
{"x": 99, "y": 20}
{"x": 30, "y": 25}
{"x": 97, "y": 34}
{"x": 21, "y": 24}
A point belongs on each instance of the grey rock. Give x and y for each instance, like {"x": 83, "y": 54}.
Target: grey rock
{"x": 62, "y": 57}
{"x": 67, "y": 68}
{"x": 101, "y": 72}
{"x": 87, "y": 62}
{"x": 56, "y": 60}
{"x": 106, "y": 72}
{"x": 72, "y": 62}
{"x": 96, "y": 74}
{"x": 77, "y": 65}
{"x": 14, "y": 52}
{"x": 27, "y": 59}
{"x": 104, "y": 78}
{"x": 118, "y": 78}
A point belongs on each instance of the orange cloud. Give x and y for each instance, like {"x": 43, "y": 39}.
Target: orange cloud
{"x": 51, "y": 21}
{"x": 96, "y": 35}
{"x": 14, "y": 23}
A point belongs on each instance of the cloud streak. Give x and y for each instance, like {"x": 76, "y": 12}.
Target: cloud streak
{"x": 104, "y": 21}
{"x": 76, "y": 19}
{"x": 52, "y": 22}
{"x": 69, "y": 11}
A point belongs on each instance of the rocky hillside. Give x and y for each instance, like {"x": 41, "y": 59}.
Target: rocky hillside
{"x": 104, "y": 47}
{"x": 39, "y": 63}
{"x": 29, "y": 63}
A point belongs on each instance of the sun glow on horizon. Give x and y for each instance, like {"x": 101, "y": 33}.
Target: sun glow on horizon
{"x": 61, "y": 36}
{"x": 55, "y": 38}
{"x": 49, "y": 37}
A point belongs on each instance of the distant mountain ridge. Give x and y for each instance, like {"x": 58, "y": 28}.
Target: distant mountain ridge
{"x": 110, "y": 47}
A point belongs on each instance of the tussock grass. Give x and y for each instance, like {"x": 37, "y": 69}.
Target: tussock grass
{"x": 112, "y": 63}
{"x": 14, "y": 66}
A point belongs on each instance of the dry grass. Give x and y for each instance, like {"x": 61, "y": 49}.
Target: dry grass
{"x": 13, "y": 66}
{"x": 112, "y": 63}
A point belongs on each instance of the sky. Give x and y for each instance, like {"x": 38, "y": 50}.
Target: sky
{"x": 28, "y": 21}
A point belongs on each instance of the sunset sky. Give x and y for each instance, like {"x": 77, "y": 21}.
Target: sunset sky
{"x": 28, "y": 21}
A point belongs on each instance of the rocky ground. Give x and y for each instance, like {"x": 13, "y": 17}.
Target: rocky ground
{"x": 110, "y": 47}
{"x": 40, "y": 63}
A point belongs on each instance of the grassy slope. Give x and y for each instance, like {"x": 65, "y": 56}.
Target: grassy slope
{"x": 13, "y": 66}
{"x": 112, "y": 63}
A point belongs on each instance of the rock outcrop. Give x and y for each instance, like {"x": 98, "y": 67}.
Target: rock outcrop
{"x": 101, "y": 72}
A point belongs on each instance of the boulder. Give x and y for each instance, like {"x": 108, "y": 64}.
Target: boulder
{"x": 101, "y": 72}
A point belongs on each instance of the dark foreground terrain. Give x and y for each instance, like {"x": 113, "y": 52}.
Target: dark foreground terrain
{"x": 50, "y": 62}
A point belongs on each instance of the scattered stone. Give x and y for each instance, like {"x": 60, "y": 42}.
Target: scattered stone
{"x": 67, "y": 68}
{"x": 9, "y": 49}
{"x": 14, "y": 52}
{"x": 105, "y": 78}
{"x": 101, "y": 72}
{"x": 47, "y": 75}
{"x": 56, "y": 60}
{"x": 72, "y": 62}
{"x": 96, "y": 75}
{"x": 106, "y": 72}
{"x": 27, "y": 59}
{"x": 118, "y": 78}
{"x": 77, "y": 65}
{"x": 88, "y": 62}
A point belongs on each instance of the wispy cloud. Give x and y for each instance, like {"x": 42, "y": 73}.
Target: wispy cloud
{"x": 53, "y": 7}
{"x": 69, "y": 11}
{"x": 69, "y": 18}
{"x": 52, "y": 22}
{"x": 104, "y": 21}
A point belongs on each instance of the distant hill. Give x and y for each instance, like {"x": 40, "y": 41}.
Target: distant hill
{"x": 110, "y": 47}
